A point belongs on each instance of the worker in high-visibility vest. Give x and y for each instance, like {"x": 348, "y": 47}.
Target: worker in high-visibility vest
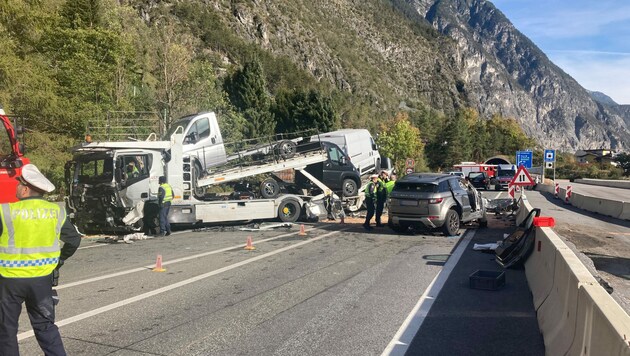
{"x": 165, "y": 197}
{"x": 30, "y": 258}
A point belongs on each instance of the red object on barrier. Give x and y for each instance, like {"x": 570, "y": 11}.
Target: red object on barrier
{"x": 544, "y": 221}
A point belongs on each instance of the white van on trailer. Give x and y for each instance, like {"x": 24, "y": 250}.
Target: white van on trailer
{"x": 358, "y": 144}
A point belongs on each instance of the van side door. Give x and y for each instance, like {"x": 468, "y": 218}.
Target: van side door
{"x": 334, "y": 167}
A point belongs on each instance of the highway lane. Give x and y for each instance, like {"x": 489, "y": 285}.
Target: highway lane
{"x": 620, "y": 194}
{"x": 331, "y": 292}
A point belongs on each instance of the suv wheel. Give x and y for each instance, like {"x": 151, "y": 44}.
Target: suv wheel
{"x": 451, "y": 224}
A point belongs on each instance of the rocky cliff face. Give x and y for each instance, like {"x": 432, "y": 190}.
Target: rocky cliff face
{"x": 475, "y": 58}
{"x": 505, "y": 72}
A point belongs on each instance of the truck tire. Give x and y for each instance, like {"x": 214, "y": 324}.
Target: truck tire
{"x": 198, "y": 191}
{"x": 349, "y": 188}
{"x": 286, "y": 149}
{"x": 451, "y": 223}
{"x": 289, "y": 210}
{"x": 269, "y": 188}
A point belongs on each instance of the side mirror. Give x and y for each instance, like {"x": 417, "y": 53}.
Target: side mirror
{"x": 343, "y": 161}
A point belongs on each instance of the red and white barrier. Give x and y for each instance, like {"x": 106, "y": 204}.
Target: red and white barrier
{"x": 511, "y": 191}
{"x": 557, "y": 189}
{"x": 567, "y": 195}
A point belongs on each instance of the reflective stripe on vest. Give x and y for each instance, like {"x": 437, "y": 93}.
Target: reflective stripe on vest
{"x": 29, "y": 243}
{"x": 168, "y": 192}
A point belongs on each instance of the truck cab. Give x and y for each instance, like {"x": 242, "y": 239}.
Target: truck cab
{"x": 504, "y": 175}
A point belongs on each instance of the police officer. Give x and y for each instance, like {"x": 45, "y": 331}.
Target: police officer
{"x": 30, "y": 255}
{"x": 370, "y": 199}
{"x": 165, "y": 196}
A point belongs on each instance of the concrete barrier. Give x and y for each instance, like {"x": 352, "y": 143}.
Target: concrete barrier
{"x": 575, "y": 314}
{"x": 603, "y": 206}
{"x": 540, "y": 266}
{"x": 557, "y": 315}
{"x": 578, "y": 200}
{"x": 601, "y": 328}
{"x": 625, "y": 211}
{"x": 546, "y": 188}
{"x": 523, "y": 210}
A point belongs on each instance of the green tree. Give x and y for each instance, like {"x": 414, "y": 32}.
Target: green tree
{"x": 623, "y": 159}
{"x": 82, "y": 13}
{"x": 246, "y": 91}
{"x": 399, "y": 140}
{"x": 299, "y": 110}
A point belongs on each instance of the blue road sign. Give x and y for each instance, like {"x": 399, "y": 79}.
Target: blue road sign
{"x": 524, "y": 158}
{"x": 550, "y": 155}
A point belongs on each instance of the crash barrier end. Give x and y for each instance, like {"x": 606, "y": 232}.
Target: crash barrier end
{"x": 249, "y": 245}
{"x": 302, "y": 230}
{"x": 544, "y": 221}
{"x": 601, "y": 324}
{"x": 158, "y": 265}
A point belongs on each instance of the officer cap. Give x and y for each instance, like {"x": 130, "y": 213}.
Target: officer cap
{"x": 33, "y": 177}
{"x": 374, "y": 176}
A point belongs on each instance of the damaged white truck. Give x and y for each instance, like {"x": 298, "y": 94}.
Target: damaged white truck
{"x": 112, "y": 186}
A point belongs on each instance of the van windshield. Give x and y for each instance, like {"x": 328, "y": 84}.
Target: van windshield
{"x": 183, "y": 122}
{"x": 507, "y": 173}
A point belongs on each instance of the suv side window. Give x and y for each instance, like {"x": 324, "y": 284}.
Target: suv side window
{"x": 443, "y": 186}
{"x": 462, "y": 184}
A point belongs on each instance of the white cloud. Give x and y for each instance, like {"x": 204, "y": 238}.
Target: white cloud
{"x": 597, "y": 71}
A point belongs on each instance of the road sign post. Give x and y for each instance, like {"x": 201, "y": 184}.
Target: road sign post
{"x": 550, "y": 159}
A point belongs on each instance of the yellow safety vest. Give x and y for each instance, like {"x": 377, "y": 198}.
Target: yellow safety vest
{"x": 29, "y": 243}
{"x": 168, "y": 192}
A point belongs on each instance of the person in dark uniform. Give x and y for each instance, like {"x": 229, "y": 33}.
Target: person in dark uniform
{"x": 370, "y": 199}
{"x": 381, "y": 197}
{"x": 165, "y": 196}
{"x": 30, "y": 257}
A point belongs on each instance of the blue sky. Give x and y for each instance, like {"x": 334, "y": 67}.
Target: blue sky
{"x": 588, "y": 39}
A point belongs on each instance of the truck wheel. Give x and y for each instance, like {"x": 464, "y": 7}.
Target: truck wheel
{"x": 269, "y": 188}
{"x": 286, "y": 149}
{"x": 198, "y": 191}
{"x": 451, "y": 223}
{"x": 349, "y": 188}
{"x": 289, "y": 210}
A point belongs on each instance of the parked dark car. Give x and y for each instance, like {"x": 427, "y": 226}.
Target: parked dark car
{"x": 479, "y": 180}
{"x": 434, "y": 201}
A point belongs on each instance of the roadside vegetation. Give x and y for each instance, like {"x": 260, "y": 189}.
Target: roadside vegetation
{"x": 70, "y": 65}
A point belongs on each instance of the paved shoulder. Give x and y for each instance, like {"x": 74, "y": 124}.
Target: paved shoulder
{"x": 466, "y": 321}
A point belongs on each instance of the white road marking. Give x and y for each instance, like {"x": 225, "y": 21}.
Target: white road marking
{"x": 144, "y": 268}
{"x": 402, "y": 339}
{"x": 79, "y": 317}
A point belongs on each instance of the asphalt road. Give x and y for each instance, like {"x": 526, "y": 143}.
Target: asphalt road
{"x": 332, "y": 292}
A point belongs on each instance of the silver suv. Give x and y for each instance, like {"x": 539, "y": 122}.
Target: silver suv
{"x": 432, "y": 201}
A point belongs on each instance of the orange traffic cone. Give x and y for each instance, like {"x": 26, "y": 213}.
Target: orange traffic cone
{"x": 158, "y": 265}
{"x": 250, "y": 245}
{"x": 302, "y": 231}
